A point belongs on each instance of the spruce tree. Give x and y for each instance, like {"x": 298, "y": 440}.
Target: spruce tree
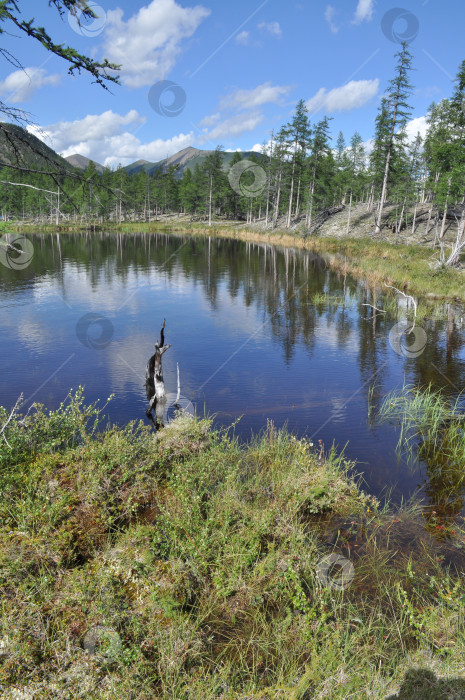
{"x": 395, "y": 111}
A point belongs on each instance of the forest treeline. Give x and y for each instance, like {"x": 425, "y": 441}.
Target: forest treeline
{"x": 298, "y": 174}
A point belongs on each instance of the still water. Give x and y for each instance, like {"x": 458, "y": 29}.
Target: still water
{"x": 245, "y": 329}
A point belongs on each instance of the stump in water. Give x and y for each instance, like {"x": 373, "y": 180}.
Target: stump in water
{"x": 154, "y": 383}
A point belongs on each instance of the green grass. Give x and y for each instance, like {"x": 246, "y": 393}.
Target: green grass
{"x": 329, "y": 300}
{"x": 185, "y": 565}
{"x": 430, "y": 425}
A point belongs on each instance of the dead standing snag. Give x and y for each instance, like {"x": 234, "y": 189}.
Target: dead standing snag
{"x": 154, "y": 383}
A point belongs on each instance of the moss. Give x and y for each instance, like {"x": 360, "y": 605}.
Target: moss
{"x": 199, "y": 558}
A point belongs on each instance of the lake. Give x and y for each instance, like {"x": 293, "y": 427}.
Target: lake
{"x": 259, "y": 333}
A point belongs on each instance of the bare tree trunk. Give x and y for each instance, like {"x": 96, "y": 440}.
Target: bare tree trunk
{"x": 383, "y": 192}
{"x": 291, "y": 195}
{"x": 154, "y": 382}
{"x": 210, "y": 201}
{"x": 459, "y": 243}
{"x": 297, "y": 206}
{"x": 310, "y": 202}
{"x": 278, "y": 196}
{"x": 414, "y": 218}
{"x": 443, "y": 225}
{"x": 348, "y": 218}
{"x": 268, "y": 181}
{"x": 399, "y": 225}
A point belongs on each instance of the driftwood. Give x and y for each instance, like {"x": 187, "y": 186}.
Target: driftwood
{"x": 154, "y": 383}
{"x": 320, "y": 218}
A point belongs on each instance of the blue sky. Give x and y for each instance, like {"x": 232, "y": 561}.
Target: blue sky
{"x": 241, "y": 68}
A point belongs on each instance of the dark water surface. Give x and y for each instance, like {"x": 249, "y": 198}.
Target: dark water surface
{"x": 244, "y": 328}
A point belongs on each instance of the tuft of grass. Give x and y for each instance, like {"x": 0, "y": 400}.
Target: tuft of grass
{"x": 321, "y": 299}
{"x": 184, "y": 565}
{"x": 430, "y": 424}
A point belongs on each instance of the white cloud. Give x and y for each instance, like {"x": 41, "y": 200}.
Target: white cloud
{"x": 210, "y": 120}
{"x": 353, "y": 95}
{"x": 416, "y": 125}
{"x": 368, "y": 145}
{"x": 329, "y": 16}
{"x": 262, "y": 94}
{"x": 126, "y": 148}
{"x": 20, "y": 85}
{"x": 364, "y": 11}
{"x": 258, "y": 147}
{"x": 148, "y": 43}
{"x": 105, "y": 139}
{"x": 93, "y": 127}
{"x": 239, "y": 111}
{"x": 272, "y": 28}
{"x": 232, "y": 127}
{"x": 243, "y": 38}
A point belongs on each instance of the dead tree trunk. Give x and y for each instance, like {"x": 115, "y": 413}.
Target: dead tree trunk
{"x": 154, "y": 383}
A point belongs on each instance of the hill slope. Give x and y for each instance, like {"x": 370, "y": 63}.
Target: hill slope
{"x": 20, "y": 148}
{"x": 23, "y": 149}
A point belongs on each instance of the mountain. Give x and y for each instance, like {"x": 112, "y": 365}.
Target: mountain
{"x": 139, "y": 165}
{"x": 187, "y": 158}
{"x": 23, "y": 149}
{"x": 81, "y": 162}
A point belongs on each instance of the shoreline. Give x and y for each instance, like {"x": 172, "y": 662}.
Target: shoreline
{"x": 408, "y": 267}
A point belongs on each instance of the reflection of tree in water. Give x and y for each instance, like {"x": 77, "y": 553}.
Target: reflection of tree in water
{"x": 279, "y": 284}
{"x": 439, "y": 363}
{"x": 445, "y": 483}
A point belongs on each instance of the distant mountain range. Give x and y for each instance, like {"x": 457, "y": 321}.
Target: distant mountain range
{"x": 19, "y": 147}
{"x": 187, "y": 158}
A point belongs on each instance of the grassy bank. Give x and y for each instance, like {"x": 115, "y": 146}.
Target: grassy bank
{"x": 407, "y": 267}
{"x": 186, "y": 566}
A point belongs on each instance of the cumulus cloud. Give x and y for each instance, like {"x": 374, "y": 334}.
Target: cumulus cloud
{"x": 415, "y": 126}
{"x": 364, "y": 11}
{"x": 243, "y": 38}
{"x": 239, "y": 111}
{"x": 258, "y": 147}
{"x": 262, "y": 94}
{"x": 232, "y": 126}
{"x": 272, "y": 28}
{"x": 329, "y": 16}
{"x": 148, "y": 43}
{"x": 105, "y": 139}
{"x": 210, "y": 120}
{"x": 353, "y": 95}
{"x": 20, "y": 85}
{"x": 93, "y": 127}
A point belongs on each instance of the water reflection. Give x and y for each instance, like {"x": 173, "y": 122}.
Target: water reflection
{"x": 257, "y": 331}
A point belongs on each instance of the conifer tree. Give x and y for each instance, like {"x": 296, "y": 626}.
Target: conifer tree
{"x": 394, "y": 114}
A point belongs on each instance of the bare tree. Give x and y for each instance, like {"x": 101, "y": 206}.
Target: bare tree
{"x": 154, "y": 382}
